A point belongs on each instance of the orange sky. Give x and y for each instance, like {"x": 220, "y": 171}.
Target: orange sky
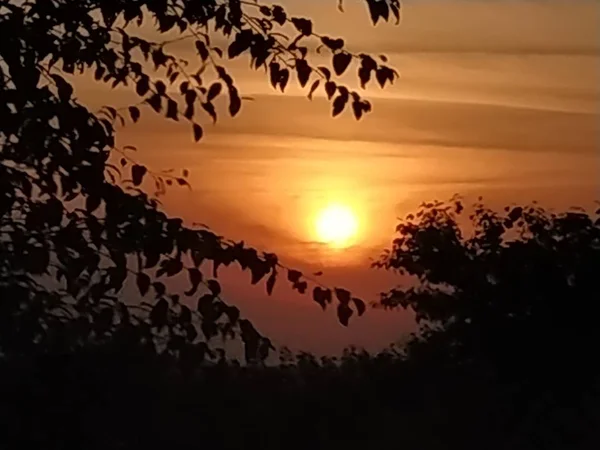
{"x": 497, "y": 98}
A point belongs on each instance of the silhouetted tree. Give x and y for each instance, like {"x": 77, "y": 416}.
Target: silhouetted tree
{"x": 509, "y": 297}
{"x": 73, "y": 231}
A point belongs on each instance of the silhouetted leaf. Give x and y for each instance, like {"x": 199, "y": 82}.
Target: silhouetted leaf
{"x": 143, "y": 283}
{"x": 233, "y": 313}
{"x": 205, "y": 303}
{"x": 185, "y": 316}
{"x": 191, "y": 334}
{"x": 137, "y": 174}
{"x": 367, "y": 66}
{"x": 258, "y": 271}
{"x": 383, "y": 75}
{"x": 330, "y": 88}
{"x": 158, "y": 315}
{"x": 326, "y": 72}
{"x": 198, "y": 132}
{"x": 339, "y": 104}
{"x": 320, "y": 296}
{"x": 173, "y": 77}
{"x": 357, "y": 110}
{"x": 155, "y": 102}
{"x": 184, "y": 87}
{"x": 313, "y": 88}
{"x": 173, "y": 267}
{"x": 134, "y": 112}
{"x": 271, "y": 282}
{"x": 378, "y": 9}
{"x": 195, "y": 277}
{"x": 172, "y": 110}
{"x": 304, "y": 26}
{"x": 303, "y": 71}
{"x": 341, "y": 61}
{"x": 301, "y": 286}
{"x": 332, "y": 44}
{"x": 279, "y": 15}
{"x": 209, "y": 329}
{"x": 152, "y": 258}
{"x": 343, "y": 295}
{"x": 344, "y": 312}
{"x": 274, "y": 74}
{"x": 161, "y": 88}
{"x": 360, "y": 306}
{"x": 214, "y": 287}
{"x": 396, "y": 11}
{"x": 284, "y": 76}
{"x": 240, "y": 44}
{"x": 92, "y": 202}
{"x": 65, "y": 90}
{"x": 214, "y": 91}
{"x": 294, "y": 276}
{"x": 189, "y": 112}
{"x": 235, "y": 102}
{"x": 142, "y": 86}
{"x": 202, "y": 50}
{"x": 112, "y": 112}
{"x": 515, "y": 214}
{"x": 210, "y": 109}
{"x": 99, "y": 73}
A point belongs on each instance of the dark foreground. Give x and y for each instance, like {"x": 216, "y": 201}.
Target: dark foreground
{"x": 104, "y": 400}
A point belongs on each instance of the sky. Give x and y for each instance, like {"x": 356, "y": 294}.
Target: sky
{"x": 498, "y": 98}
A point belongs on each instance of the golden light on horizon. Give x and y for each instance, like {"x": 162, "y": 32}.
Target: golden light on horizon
{"x": 336, "y": 225}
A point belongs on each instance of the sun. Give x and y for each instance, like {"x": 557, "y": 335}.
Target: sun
{"x": 336, "y": 225}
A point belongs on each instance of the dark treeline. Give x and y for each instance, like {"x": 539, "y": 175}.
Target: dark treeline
{"x": 99, "y": 400}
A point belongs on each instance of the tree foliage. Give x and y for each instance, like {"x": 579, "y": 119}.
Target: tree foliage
{"x": 515, "y": 295}
{"x": 77, "y": 222}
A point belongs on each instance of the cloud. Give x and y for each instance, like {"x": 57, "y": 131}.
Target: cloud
{"x": 422, "y": 122}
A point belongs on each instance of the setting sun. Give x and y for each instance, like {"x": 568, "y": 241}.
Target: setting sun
{"x": 336, "y": 225}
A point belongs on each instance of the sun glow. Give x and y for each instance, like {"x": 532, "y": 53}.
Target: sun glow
{"x": 336, "y": 225}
